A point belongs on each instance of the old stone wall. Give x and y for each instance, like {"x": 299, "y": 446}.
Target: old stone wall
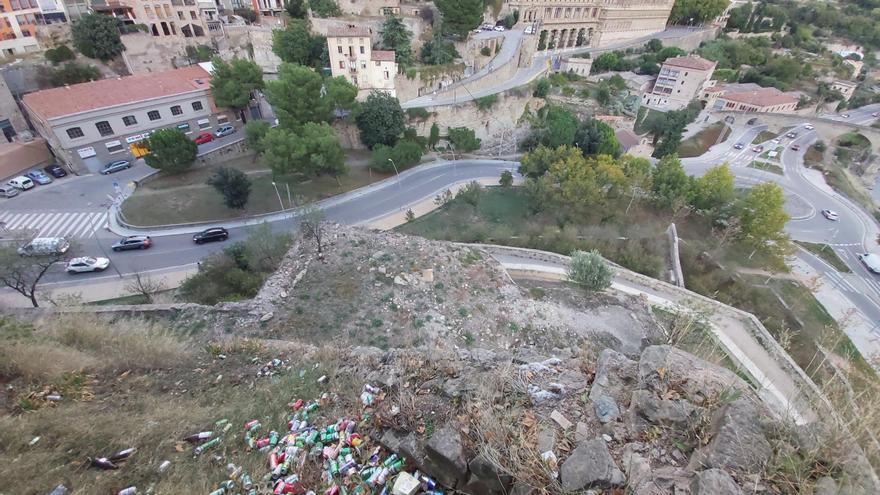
{"x": 416, "y": 25}
{"x": 147, "y": 53}
{"x": 423, "y": 83}
{"x": 251, "y": 42}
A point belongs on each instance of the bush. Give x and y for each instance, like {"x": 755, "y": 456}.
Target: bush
{"x": 325, "y": 8}
{"x": 247, "y": 14}
{"x": 485, "y": 51}
{"x": 417, "y": 113}
{"x": 72, "y": 73}
{"x": 542, "y": 87}
{"x": 486, "y": 102}
{"x": 233, "y": 184}
{"x": 470, "y": 194}
{"x": 59, "y": 54}
{"x": 463, "y": 139}
{"x": 589, "y": 271}
{"x": 506, "y": 179}
{"x": 404, "y": 154}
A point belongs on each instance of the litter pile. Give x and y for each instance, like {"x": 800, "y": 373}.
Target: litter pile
{"x": 334, "y": 458}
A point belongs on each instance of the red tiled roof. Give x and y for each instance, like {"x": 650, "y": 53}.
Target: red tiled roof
{"x": 349, "y": 31}
{"x": 690, "y": 62}
{"x": 383, "y": 55}
{"x": 76, "y": 98}
{"x": 715, "y": 89}
{"x": 765, "y": 97}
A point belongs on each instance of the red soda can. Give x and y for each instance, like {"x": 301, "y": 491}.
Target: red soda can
{"x": 296, "y": 405}
{"x": 333, "y": 490}
{"x": 250, "y": 424}
{"x": 273, "y": 460}
{"x": 262, "y": 442}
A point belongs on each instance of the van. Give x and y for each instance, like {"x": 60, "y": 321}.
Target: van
{"x": 8, "y": 191}
{"x": 871, "y": 262}
{"x": 45, "y": 246}
{"x": 21, "y": 182}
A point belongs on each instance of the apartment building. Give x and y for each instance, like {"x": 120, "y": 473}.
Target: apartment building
{"x": 176, "y": 18}
{"x": 352, "y": 57}
{"x": 749, "y": 97}
{"x": 18, "y": 25}
{"x": 90, "y": 124}
{"x": 681, "y": 80}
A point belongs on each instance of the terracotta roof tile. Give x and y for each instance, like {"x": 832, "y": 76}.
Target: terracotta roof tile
{"x": 76, "y": 98}
{"x": 383, "y": 55}
{"x": 349, "y": 31}
{"x": 765, "y": 97}
{"x": 690, "y": 62}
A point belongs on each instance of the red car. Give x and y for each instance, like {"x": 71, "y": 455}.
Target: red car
{"x": 205, "y": 137}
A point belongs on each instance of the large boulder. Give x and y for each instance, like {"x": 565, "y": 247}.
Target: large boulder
{"x": 406, "y": 444}
{"x": 446, "y": 459}
{"x": 615, "y": 377}
{"x": 590, "y": 465}
{"x": 739, "y": 442}
{"x": 679, "y": 412}
{"x": 699, "y": 381}
{"x": 714, "y": 482}
{"x": 485, "y": 478}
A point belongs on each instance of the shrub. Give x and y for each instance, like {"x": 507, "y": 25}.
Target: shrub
{"x": 404, "y": 154}
{"x": 233, "y": 184}
{"x": 463, "y": 139}
{"x": 417, "y": 113}
{"x": 59, "y": 54}
{"x": 589, "y": 271}
{"x": 542, "y": 87}
{"x": 506, "y": 179}
{"x": 325, "y": 8}
{"x": 487, "y": 102}
{"x": 485, "y": 51}
{"x": 247, "y": 14}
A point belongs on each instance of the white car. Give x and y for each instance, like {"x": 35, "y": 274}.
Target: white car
{"x": 777, "y": 140}
{"x": 809, "y": 127}
{"x": 21, "y": 182}
{"x": 87, "y": 264}
{"x": 499, "y": 28}
{"x": 871, "y": 262}
{"x": 830, "y": 215}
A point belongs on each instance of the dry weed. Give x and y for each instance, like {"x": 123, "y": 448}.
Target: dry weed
{"x": 42, "y": 361}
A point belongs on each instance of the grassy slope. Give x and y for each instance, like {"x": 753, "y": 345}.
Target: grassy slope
{"x": 700, "y": 142}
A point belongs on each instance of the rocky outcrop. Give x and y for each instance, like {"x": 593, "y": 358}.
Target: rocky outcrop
{"x": 590, "y": 465}
{"x": 446, "y": 456}
{"x": 662, "y": 366}
{"x": 615, "y": 374}
{"x": 739, "y": 442}
{"x": 714, "y": 482}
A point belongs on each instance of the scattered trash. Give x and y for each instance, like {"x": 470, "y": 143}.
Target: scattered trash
{"x": 199, "y": 437}
{"x": 561, "y": 420}
{"x": 122, "y": 455}
{"x": 59, "y": 490}
{"x": 132, "y": 490}
{"x": 368, "y": 395}
{"x": 542, "y": 366}
{"x": 164, "y": 466}
{"x": 103, "y": 463}
{"x": 34, "y": 441}
{"x": 53, "y": 397}
{"x": 275, "y": 367}
{"x": 551, "y": 462}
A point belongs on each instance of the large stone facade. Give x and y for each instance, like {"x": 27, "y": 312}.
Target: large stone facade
{"x": 574, "y": 23}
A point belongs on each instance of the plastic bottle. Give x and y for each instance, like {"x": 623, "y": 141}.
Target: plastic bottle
{"x": 199, "y": 437}
{"x": 132, "y": 490}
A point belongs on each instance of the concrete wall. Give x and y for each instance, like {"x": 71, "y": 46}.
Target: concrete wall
{"x": 422, "y": 84}
{"x": 147, "y": 53}
{"x": 250, "y": 42}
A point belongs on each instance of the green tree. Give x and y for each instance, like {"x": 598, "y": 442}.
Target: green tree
{"x": 460, "y": 16}
{"x": 437, "y": 50}
{"x": 254, "y": 132}
{"x": 380, "y": 120}
{"x": 605, "y": 62}
{"x": 506, "y": 179}
{"x": 301, "y": 95}
{"x": 690, "y": 12}
{"x": 395, "y": 36}
{"x": 297, "y": 9}
{"x": 97, "y": 36}
{"x": 70, "y": 73}
{"x": 312, "y": 150}
{"x": 537, "y": 162}
{"x": 714, "y": 189}
{"x": 325, "y": 8}
{"x": 463, "y": 139}
{"x": 434, "y": 136}
{"x": 59, "y": 54}
{"x": 542, "y": 88}
{"x": 170, "y": 151}
{"x": 589, "y": 271}
{"x": 233, "y": 184}
{"x": 603, "y": 95}
{"x": 763, "y": 218}
{"x": 319, "y": 57}
{"x": 654, "y": 45}
{"x": 200, "y": 53}
{"x": 233, "y": 83}
{"x": 739, "y": 17}
{"x": 670, "y": 184}
{"x": 579, "y": 185}
{"x": 291, "y": 44}
{"x": 247, "y": 14}
{"x": 594, "y": 137}
{"x": 404, "y": 154}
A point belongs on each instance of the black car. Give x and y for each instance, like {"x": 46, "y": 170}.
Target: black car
{"x": 752, "y": 121}
{"x": 211, "y": 235}
{"x": 55, "y": 170}
{"x": 133, "y": 242}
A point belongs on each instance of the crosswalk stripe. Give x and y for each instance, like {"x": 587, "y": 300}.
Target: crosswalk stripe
{"x": 99, "y": 218}
{"x": 84, "y": 229}
{"x": 56, "y": 224}
{"x": 57, "y": 228}
{"x": 75, "y": 226}
{"x": 50, "y": 219}
{"x": 37, "y": 221}
{"x": 50, "y": 224}
{"x": 16, "y": 222}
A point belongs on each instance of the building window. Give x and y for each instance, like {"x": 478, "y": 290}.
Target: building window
{"x": 75, "y": 132}
{"x": 15, "y": 5}
{"x": 192, "y": 15}
{"x": 104, "y": 128}
{"x": 197, "y": 106}
{"x": 114, "y": 146}
{"x": 176, "y": 110}
{"x": 339, "y": 48}
{"x": 180, "y": 15}
{"x": 341, "y": 64}
{"x": 129, "y": 120}
{"x": 363, "y": 65}
{"x": 153, "y": 115}
{"x": 362, "y": 49}
{"x": 204, "y": 124}
{"x": 386, "y": 74}
{"x": 222, "y": 119}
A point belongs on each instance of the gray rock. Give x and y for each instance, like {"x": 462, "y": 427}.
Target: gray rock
{"x": 637, "y": 468}
{"x": 405, "y": 444}
{"x": 590, "y": 465}
{"x": 266, "y": 317}
{"x": 739, "y": 443}
{"x": 446, "y": 459}
{"x": 665, "y": 412}
{"x": 456, "y": 387}
{"x": 546, "y": 438}
{"x": 714, "y": 482}
{"x": 574, "y": 381}
{"x": 485, "y": 478}
{"x": 698, "y": 379}
{"x": 520, "y": 488}
{"x": 606, "y": 408}
{"x": 826, "y": 486}
{"x": 616, "y": 375}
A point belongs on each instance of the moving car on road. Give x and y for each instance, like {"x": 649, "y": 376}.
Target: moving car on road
{"x": 115, "y": 166}
{"x": 132, "y": 242}
{"x": 845, "y": 115}
{"x": 39, "y": 177}
{"x": 758, "y": 149}
{"x": 21, "y": 182}
{"x": 55, "y": 170}
{"x": 87, "y": 264}
{"x": 809, "y": 127}
{"x": 45, "y": 246}
{"x": 830, "y": 215}
{"x": 871, "y": 262}
{"x": 224, "y": 130}
{"x": 795, "y": 147}
{"x": 739, "y": 146}
{"x": 211, "y": 235}
{"x": 205, "y": 137}
{"x": 791, "y": 135}
{"x": 777, "y": 140}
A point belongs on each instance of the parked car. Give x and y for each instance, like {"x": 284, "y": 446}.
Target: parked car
{"x": 791, "y": 135}
{"x": 875, "y": 114}
{"x": 795, "y": 147}
{"x": 752, "y": 121}
{"x": 21, "y": 182}
{"x": 487, "y": 27}
{"x": 809, "y": 127}
{"x": 830, "y": 215}
{"x": 845, "y": 115}
{"x": 115, "y": 166}
{"x": 45, "y": 246}
{"x": 871, "y": 262}
{"x": 211, "y": 235}
{"x": 132, "y": 242}
{"x": 39, "y": 177}
{"x": 224, "y": 130}
{"x": 8, "y": 191}
{"x": 87, "y": 264}
{"x": 499, "y": 28}
{"x": 205, "y": 137}
{"x": 758, "y": 149}
{"x": 55, "y": 170}
{"x": 530, "y": 30}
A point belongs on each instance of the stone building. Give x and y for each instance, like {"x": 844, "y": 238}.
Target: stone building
{"x": 352, "y": 57}
{"x": 749, "y": 97}
{"x": 163, "y": 18}
{"x": 18, "y": 24}
{"x": 570, "y": 23}
{"x": 681, "y": 80}
{"x": 846, "y": 88}
{"x": 90, "y": 124}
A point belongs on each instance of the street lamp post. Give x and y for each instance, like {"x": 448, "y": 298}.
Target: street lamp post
{"x": 278, "y": 194}
{"x": 396, "y": 172}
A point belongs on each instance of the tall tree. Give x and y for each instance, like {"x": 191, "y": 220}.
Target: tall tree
{"x": 690, "y": 12}
{"x": 537, "y": 162}
{"x": 297, "y": 9}
{"x": 312, "y": 150}
{"x": 434, "y": 136}
{"x": 380, "y": 120}
{"x": 395, "y": 36}
{"x": 463, "y": 139}
{"x": 714, "y": 189}
{"x": 460, "y": 16}
{"x": 670, "y": 183}
{"x": 23, "y": 274}
{"x": 291, "y": 44}
{"x": 301, "y": 95}
{"x": 97, "y": 36}
{"x": 233, "y": 83}
{"x": 254, "y": 132}
{"x": 594, "y": 137}
{"x": 170, "y": 151}
{"x": 763, "y": 218}
{"x": 233, "y": 184}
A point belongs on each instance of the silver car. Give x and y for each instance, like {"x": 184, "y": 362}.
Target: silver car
{"x": 115, "y": 166}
